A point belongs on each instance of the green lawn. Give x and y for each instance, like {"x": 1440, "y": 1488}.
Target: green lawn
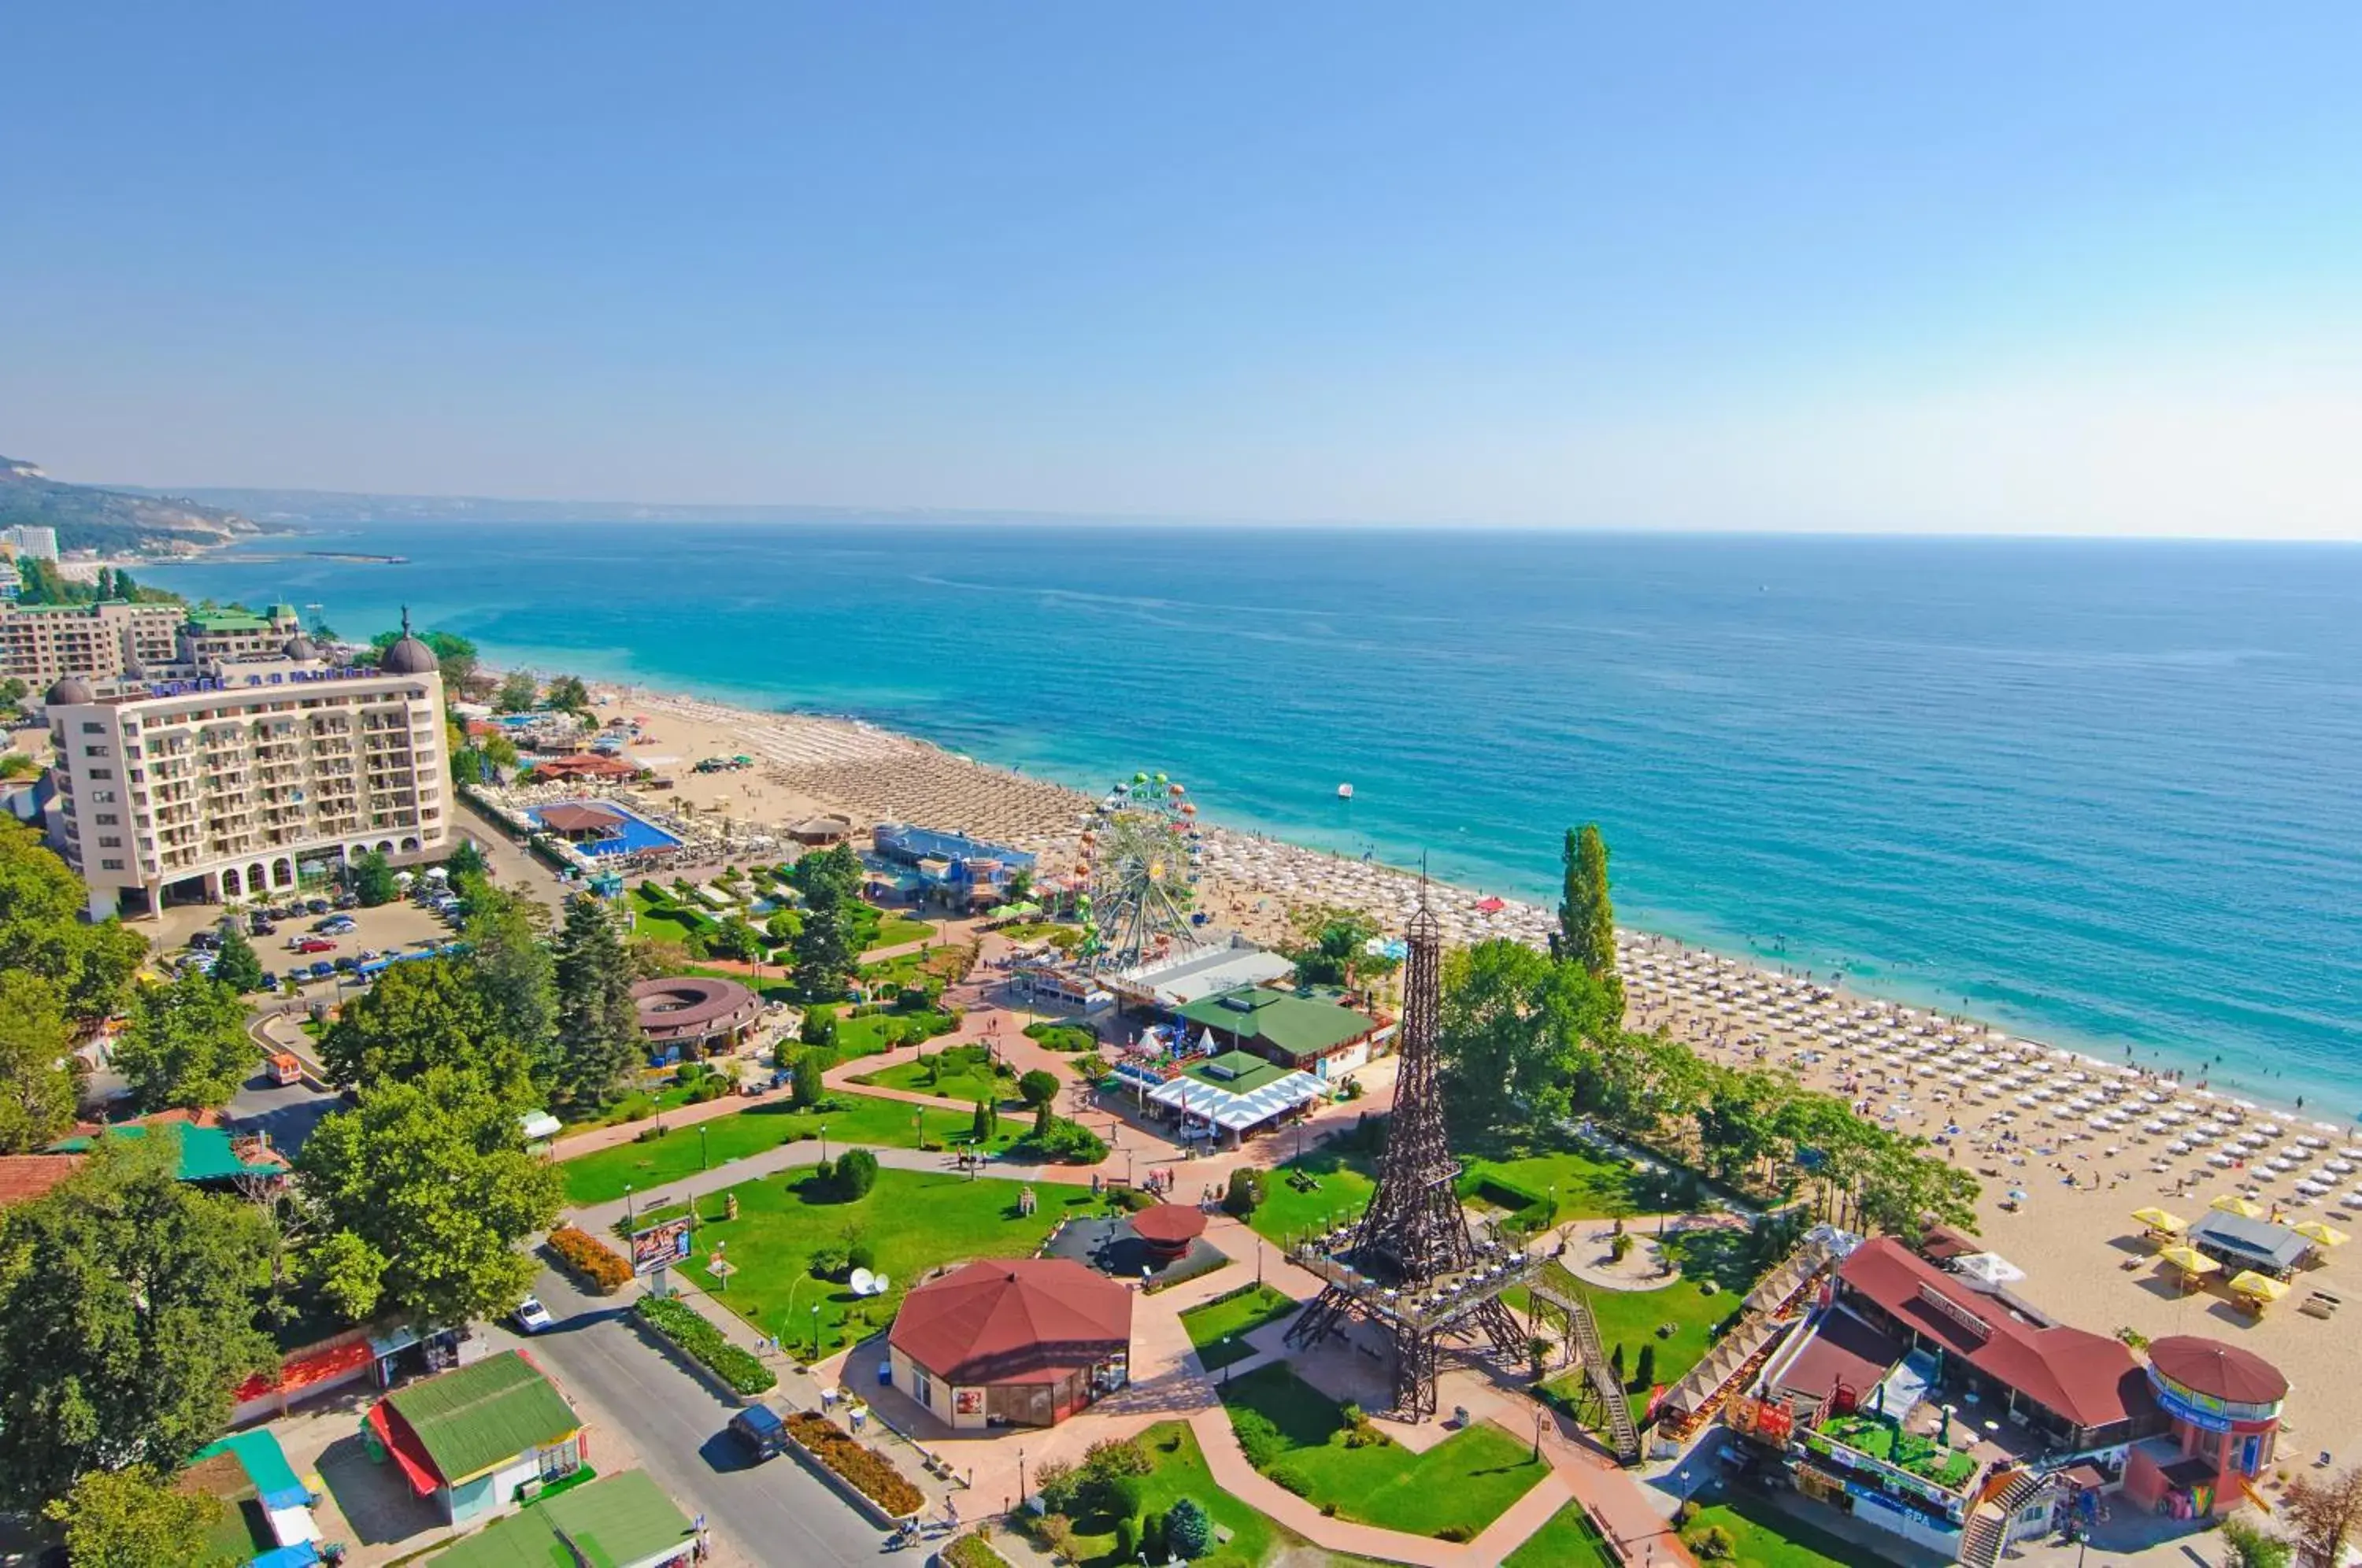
{"x": 961, "y": 1073}
{"x": 1768, "y": 1537}
{"x": 1181, "y": 1472}
{"x": 1295, "y": 1434}
{"x": 1219, "y": 1328}
{"x": 855, "y": 1119}
{"x": 1569, "y": 1541}
{"x": 896, "y": 930}
{"x": 866, "y": 1036}
{"x": 915, "y": 1220}
{"x": 1586, "y": 1189}
{"x": 1342, "y": 1189}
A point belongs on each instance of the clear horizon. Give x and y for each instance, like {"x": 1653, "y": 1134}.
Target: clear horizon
{"x": 2086, "y": 274}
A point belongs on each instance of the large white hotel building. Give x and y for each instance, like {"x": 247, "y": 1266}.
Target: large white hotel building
{"x": 244, "y": 765}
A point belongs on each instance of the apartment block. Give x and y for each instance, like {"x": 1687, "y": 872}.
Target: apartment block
{"x": 42, "y": 644}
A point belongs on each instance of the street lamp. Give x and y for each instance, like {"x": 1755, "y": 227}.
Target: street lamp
{"x": 815, "y": 1330}
{"x": 1020, "y": 1477}
{"x": 629, "y": 1219}
{"x": 823, "y": 1142}
{"x": 701, "y": 1148}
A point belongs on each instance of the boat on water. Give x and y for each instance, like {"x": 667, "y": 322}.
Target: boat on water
{"x": 1344, "y": 791}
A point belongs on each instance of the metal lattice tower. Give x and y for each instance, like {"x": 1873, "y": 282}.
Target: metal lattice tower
{"x": 1412, "y": 1268}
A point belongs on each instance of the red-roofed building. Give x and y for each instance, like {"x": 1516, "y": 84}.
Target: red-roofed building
{"x": 1012, "y": 1342}
{"x": 588, "y": 764}
{"x": 2079, "y": 1389}
{"x": 2224, "y": 1405}
{"x": 24, "y": 1177}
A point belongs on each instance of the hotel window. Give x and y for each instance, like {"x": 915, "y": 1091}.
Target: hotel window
{"x": 106, "y": 818}
{"x": 102, "y": 773}
{"x": 108, "y": 840}
{"x": 110, "y": 865}
{"x": 94, "y": 751}
{"x": 93, "y": 727}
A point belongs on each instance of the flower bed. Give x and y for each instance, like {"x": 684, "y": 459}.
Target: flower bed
{"x": 706, "y": 1344}
{"x": 972, "y": 1551}
{"x": 866, "y": 1472}
{"x": 589, "y": 1260}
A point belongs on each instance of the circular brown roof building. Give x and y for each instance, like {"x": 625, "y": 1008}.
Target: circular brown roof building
{"x": 2217, "y": 1371}
{"x": 1169, "y": 1227}
{"x": 1014, "y": 1341}
{"x": 697, "y": 1012}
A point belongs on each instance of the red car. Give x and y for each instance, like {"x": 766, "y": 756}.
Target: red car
{"x": 316, "y": 944}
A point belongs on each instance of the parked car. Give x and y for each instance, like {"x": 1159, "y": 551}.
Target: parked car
{"x": 313, "y": 944}
{"x": 348, "y": 902}
{"x": 261, "y": 927}
{"x": 346, "y": 965}
{"x": 532, "y": 1315}
{"x": 270, "y": 980}
{"x": 759, "y": 1428}
{"x": 205, "y": 940}
{"x": 322, "y": 971}
{"x": 315, "y": 906}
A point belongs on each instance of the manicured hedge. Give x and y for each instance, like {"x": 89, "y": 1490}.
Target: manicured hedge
{"x": 685, "y": 1327}
{"x": 589, "y": 1260}
{"x": 869, "y": 1473}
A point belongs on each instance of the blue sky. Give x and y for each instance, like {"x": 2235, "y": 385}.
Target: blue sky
{"x": 2073, "y": 269}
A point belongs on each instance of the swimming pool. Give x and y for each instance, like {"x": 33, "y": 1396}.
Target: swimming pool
{"x": 636, "y": 835}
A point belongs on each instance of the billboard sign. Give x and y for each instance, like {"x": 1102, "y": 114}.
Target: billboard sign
{"x": 661, "y": 1246}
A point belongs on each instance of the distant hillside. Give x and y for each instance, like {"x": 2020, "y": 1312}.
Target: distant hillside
{"x": 116, "y": 521}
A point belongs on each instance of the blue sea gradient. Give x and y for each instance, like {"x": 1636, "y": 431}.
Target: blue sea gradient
{"x": 2104, "y": 794}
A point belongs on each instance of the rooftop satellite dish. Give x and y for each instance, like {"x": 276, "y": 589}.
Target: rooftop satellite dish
{"x": 880, "y": 1285}
{"x": 863, "y": 1283}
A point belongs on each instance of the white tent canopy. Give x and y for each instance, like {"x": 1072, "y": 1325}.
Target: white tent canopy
{"x": 1990, "y": 1270}
{"x": 1237, "y": 1112}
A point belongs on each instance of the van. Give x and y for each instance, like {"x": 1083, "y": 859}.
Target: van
{"x": 759, "y": 1428}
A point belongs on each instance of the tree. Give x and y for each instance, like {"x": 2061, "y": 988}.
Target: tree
{"x": 467, "y": 860}
{"x": 567, "y": 694}
{"x": 831, "y": 876}
{"x": 138, "y": 1519}
{"x": 737, "y": 938}
{"x": 417, "y": 1017}
{"x": 856, "y": 1173}
{"x": 1189, "y": 1533}
{"x": 126, "y": 1317}
{"x": 985, "y": 1123}
{"x": 454, "y": 654}
{"x": 510, "y": 959}
{"x": 1519, "y": 1033}
{"x": 373, "y": 882}
{"x": 598, "y": 1022}
{"x": 235, "y": 965}
{"x": 809, "y": 1087}
{"x": 433, "y": 1175}
{"x": 186, "y": 1048}
{"x": 1644, "y": 1365}
{"x": 1586, "y": 919}
{"x": 1245, "y": 1193}
{"x": 2250, "y": 1545}
{"x": 1037, "y": 1087}
{"x": 42, "y": 930}
{"x": 1332, "y": 946}
{"x": 825, "y": 957}
{"x": 2322, "y": 1513}
{"x": 517, "y": 693}
{"x": 38, "y": 1083}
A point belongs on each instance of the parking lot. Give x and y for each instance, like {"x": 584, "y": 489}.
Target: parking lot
{"x": 302, "y": 940}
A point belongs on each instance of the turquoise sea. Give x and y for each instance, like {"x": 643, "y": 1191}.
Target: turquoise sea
{"x": 2107, "y": 794}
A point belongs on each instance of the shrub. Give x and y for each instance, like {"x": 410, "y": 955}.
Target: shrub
{"x": 861, "y": 1254}
{"x": 818, "y": 1026}
{"x": 1062, "y": 1036}
{"x": 824, "y": 1174}
{"x": 1246, "y": 1192}
{"x": 1154, "y": 1538}
{"x": 1259, "y": 1440}
{"x": 1132, "y": 1199}
{"x": 856, "y": 1173}
{"x": 706, "y": 1343}
{"x": 972, "y": 1550}
{"x": 870, "y": 1473}
{"x": 1290, "y": 1479}
{"x": 830, "y": 1261}
{"x": 1189, "y": 1532}
{"x": 1454, "y": 1532}
{"x": 589, "y": 1260}
{"x": 1711, "y": 1544}
{"x": 1062, "y": 1140}
{"x": 1116, "y": 1456}
{"x": 1685, "y": 1512}
{"x": 1057, "y": 1483}
{"x": 1127, "y": 1539}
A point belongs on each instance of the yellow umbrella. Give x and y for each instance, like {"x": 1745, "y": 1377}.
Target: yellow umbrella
{"x": 2257, "y": 1287}
{"x": 2328, "y": 1235}
{"x": 2188, "y": 1260}
{"x": 2245, "y": 1208}
{"x": 2159, "y": 1220}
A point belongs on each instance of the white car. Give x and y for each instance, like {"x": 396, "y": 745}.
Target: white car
{"x": 532, "y": 1315}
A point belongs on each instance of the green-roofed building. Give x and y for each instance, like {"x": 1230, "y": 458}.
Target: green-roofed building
{"x": 1290, "y": 1029}
{"x": 622, "y": 1521}
{"x": 209, "y": 1156}
{"x": 471, "y": 1438}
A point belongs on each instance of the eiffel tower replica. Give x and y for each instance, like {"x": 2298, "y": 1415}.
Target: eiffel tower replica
{"x": 1411, "y": 1267}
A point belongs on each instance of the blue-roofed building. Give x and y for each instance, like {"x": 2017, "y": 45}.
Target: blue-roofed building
{"x": 951, "y": 868}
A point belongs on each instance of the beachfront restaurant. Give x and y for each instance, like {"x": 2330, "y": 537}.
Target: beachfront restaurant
{"x": 2222, "y": 1405}
{"x": 952, "y": 868}
{"x": 1289, "y": 1028}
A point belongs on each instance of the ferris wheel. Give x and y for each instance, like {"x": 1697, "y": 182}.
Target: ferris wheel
{"x": 1142, "y": 850}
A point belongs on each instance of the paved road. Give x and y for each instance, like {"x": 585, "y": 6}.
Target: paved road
{"x": 770, "y": 1513}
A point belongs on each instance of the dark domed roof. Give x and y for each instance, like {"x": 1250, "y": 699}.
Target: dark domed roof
{"x": 300, "y": 646}
{"x": 2223, "y": 1370}
{"x": 408, "y": 656}
{"x": 70, "y": 691}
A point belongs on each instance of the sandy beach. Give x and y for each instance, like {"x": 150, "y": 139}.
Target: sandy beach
{"x": 2082, "y": 1142}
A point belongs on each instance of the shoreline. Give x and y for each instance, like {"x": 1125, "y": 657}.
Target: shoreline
{"x": 1257, "y": 876}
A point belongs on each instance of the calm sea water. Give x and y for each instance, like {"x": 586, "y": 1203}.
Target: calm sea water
{"x": 2104, "y": 793}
